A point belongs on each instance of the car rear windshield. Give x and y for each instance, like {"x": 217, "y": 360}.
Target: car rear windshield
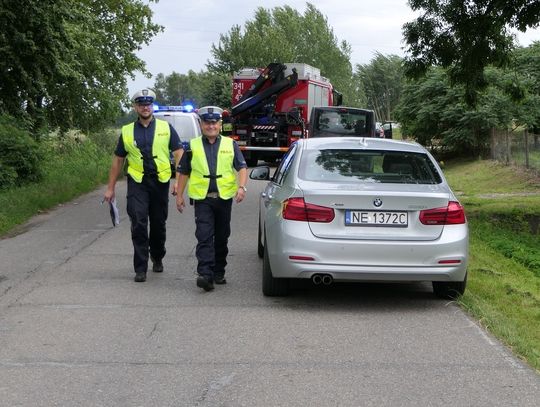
{"x": 348, "y": 165}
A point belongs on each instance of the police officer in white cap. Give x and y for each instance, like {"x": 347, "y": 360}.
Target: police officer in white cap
{"x": 215, "y": 173}
{"x": 147, "y": 144}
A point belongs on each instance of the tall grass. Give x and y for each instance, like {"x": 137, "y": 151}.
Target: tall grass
{"x": 73, "y": 164}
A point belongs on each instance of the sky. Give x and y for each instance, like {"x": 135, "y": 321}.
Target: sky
{"x": 191, "y": 27}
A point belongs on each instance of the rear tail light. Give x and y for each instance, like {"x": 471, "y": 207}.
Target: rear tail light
{"x": 453, "y": 214}
{"x": 298, "y": 209}
{"x": 235, "y": 137}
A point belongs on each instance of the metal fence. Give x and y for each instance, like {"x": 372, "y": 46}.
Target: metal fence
{"x": 519, "y": 148}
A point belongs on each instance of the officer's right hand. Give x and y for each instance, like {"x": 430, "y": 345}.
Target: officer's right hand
{"x": 180, "y": 204}
{"x": 109, "y": 195}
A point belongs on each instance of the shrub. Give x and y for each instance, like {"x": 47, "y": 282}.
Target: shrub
{"x": 19, "y": 154}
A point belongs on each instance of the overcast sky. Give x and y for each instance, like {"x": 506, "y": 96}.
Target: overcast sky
{"x": 191, "y": 27}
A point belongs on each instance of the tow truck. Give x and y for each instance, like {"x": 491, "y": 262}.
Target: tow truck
{"x": 271, "y": 107}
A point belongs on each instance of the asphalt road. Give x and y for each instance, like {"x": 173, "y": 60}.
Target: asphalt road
{"x": 75, "y": 330}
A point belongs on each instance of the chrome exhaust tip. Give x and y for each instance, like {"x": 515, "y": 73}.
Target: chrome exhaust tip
{"x": 317, "y": 279}
{"x": 327, "y": 279}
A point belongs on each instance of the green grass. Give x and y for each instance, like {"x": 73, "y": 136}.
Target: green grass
{"x": 69, "y": 171}
{"x": 503, "y": 207}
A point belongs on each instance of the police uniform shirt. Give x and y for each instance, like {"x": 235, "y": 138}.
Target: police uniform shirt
{"x": 144, "y": 138}
{"x": 211, "y": 152}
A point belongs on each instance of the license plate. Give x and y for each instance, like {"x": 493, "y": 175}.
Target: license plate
{"x": 241, "y": 142}
{"x": 376, "y": 218}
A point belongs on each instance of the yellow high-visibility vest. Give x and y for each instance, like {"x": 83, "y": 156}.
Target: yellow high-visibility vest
{"x": 160, "y": 151}
{"x": 199, "y": 180}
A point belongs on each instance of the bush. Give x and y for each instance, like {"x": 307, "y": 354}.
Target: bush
{"x": 106, "y": 138}
{"x": 19, "y": 155}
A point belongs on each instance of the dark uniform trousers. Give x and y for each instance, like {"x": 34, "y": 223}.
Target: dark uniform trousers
{"x": 213, "y": 228}
{"x": 147, "y": 200}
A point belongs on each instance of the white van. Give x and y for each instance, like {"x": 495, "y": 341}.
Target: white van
{"x": 186, "y": 124}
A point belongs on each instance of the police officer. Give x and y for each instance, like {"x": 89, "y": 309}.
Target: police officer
{"x": 210, "y": 166}
{"x": 147, "y": 144}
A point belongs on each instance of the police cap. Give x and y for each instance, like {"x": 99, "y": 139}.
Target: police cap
{"x": 144, "y": 97}
{"x": 210, "y": 113}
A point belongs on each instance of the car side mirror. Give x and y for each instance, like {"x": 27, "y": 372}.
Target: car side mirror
{"x": 261, "y": 173}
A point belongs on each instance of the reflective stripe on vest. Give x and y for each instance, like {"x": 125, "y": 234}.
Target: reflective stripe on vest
{"x": 160, "y": 151}
{"x": 226, "y": 177}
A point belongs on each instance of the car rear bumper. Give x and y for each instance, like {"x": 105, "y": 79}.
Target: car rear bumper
{"x": 367, "y": 260}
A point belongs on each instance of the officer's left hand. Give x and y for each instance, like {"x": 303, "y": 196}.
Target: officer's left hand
{"x": 240, "y": 195}
{"x": 180, "y": 204}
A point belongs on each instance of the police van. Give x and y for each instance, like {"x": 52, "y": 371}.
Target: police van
{"x": 182, "y": 118}
{"x": 186, "y": 123}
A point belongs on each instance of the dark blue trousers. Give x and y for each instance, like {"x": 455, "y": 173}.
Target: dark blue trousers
{"x": 148, "y": 200}
{"x": 213, "y": 228}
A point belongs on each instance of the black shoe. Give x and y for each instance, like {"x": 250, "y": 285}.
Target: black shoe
{"x": 140, "y": 277}
{"x": 220, "y": 279}
{"x": 157, "y": 265}
{"x": 205, "y": 283}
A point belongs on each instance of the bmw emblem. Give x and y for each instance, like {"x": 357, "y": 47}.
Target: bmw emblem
{"x": 377, "y": 202}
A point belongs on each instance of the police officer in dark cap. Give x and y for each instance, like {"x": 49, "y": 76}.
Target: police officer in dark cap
{"x": 147, "y": 144}
{"x": 215, "y": 173}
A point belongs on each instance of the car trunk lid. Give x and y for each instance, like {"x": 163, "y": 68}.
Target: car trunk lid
{"x": 376, "y": 211}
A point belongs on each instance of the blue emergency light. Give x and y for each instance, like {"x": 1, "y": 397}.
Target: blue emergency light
{"x": 183, "y": 108}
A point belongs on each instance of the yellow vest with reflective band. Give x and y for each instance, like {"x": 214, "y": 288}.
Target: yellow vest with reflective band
{"x": 198, "y": 183}
{"x": 160, "y": 151}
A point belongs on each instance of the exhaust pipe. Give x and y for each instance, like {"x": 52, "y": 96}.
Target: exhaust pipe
{"x": 327, "y": 279}
{"x": 317, "y": 279}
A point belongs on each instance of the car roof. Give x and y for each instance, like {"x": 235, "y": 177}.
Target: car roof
{"x": 368, "y": 143}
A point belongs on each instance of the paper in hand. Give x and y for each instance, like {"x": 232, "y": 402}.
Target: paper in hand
{"x": 115, "y": 216}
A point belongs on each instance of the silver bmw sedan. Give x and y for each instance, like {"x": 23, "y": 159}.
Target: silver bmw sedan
{"x": 360, "y": 209}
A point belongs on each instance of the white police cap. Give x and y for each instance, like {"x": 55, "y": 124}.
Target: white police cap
{"x": 210, "y": 113}
{"x": 144, "y": 97}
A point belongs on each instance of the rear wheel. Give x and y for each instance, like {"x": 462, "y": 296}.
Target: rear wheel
{"x": 449, "y": 289}
{"x": 272, "y": 287}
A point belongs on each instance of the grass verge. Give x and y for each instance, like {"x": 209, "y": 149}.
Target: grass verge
{"x": 70, "y": 168}
{"x": 503, "y": 292}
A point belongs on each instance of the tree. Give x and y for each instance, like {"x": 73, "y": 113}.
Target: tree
{"x": 284, "y": 35}
{"x": 199, "y": 89}
{"x": 465, "y": 37}
{"x": 176, "y": 89}
{"x": 381, "y": 81}
{"x": 434, "y": 113}
{"x": 66, "y": 62}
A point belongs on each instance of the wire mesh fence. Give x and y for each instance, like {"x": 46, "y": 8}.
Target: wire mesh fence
{"x": 519, "y": 148}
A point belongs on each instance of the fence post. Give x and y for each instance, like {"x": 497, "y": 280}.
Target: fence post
{"x": 526, "y": 133}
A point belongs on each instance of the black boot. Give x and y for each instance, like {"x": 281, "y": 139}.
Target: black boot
{"x": 157, "y": 265}
{"x": 205, "y": 283}
{"x": 140, "y": 277}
